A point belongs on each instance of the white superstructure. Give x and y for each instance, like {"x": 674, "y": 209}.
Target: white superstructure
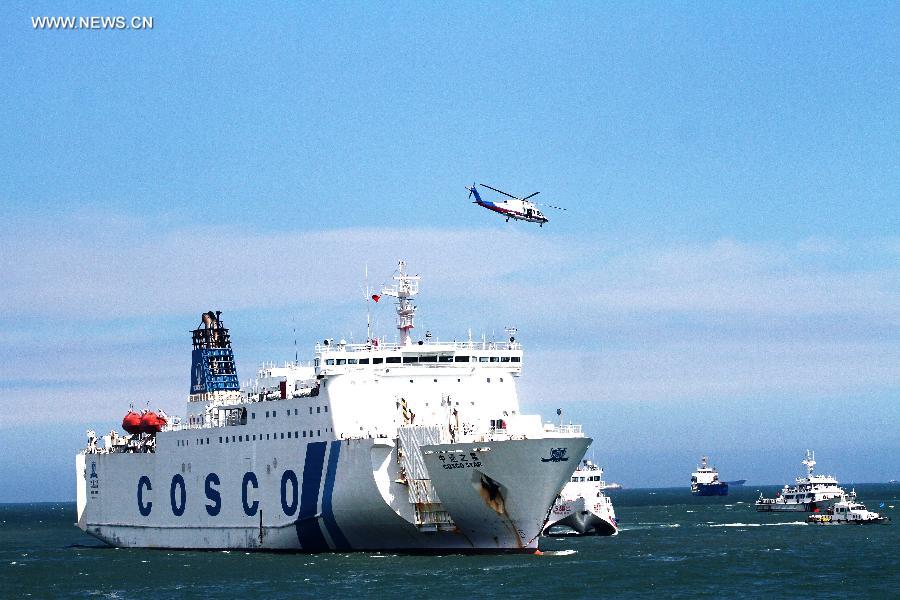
{"x": 811, "y": 493}
{"x": 416, "y": 445}
{"x": 582, "y": 508}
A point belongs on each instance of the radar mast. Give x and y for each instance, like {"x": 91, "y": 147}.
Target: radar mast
{"x": 404, "y": 291}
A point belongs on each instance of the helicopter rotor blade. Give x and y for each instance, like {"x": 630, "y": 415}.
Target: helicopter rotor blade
{"x": 499, "y": 191}
{"x": 531, "y": 196}
{"x": 551, "y": 206}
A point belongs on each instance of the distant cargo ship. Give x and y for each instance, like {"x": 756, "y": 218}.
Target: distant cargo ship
{"x": 705, "y": 481}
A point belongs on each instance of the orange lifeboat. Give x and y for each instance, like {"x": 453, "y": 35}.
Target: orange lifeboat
{"x": 152, "y": 422}
{"x": 132, "y": 422}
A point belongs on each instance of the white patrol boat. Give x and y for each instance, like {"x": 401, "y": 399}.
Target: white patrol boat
{"x": 811, "y": 493}
{"x": 414, "y": 446}
{"x": 846, "y": 510}
{"x": 582, "y": 508}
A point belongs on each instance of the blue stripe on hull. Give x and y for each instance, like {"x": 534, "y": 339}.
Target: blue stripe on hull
{"x": 308, "y": 532}
{"x": 337, "y": 536}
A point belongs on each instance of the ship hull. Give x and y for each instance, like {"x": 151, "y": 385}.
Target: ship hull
{"x": 577, "y": 517}
{"x": 714, "y": 489}
{"x": 338, "y": 495}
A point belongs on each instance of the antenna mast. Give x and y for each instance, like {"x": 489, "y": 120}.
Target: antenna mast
{"x": 368, "y": 312}
{"x": 404, "y": 291}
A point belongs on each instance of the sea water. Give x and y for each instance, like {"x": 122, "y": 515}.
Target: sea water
{"x": 671, "y": 545}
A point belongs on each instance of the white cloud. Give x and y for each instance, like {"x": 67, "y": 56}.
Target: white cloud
{"x": 604, "y": 319}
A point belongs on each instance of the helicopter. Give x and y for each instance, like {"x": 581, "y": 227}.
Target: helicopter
{"x": 520, "y": 209}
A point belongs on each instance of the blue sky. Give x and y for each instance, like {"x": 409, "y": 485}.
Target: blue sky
{"x": 726, "y": 279}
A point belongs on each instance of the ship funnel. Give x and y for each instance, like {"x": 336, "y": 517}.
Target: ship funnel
{"x": 212, "y": 359}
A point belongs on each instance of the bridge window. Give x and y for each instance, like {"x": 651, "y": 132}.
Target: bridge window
{"x": 364, "y": 361}
{"x": 393, "y": 359}
{"x": 461, "y": 359}
{"x": 409, "y": 359}
{"x": 517, "y": 359}
{"x": 351, "y": 361}
{"x": 504, "y": 359}
{"x": 484, "y": 359}
{"x": 329, "y": 361}
{"x": 447, "y": 358}
{"x": 428, "y": 359}
{"x": 342, "y": 361}
{"x": 495, "y": 359}
{"x": 377, "y": 361}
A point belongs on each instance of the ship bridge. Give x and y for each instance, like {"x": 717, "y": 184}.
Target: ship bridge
{"x": 332, "y": 359}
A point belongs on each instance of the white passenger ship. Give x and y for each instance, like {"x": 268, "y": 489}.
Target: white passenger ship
{"x": 582, "y": 508}
{"x": 811, "y": 493}
{"x": 416, "y": 446}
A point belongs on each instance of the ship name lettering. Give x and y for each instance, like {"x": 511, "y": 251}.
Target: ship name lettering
{"x": 462, "y": 465}
{"x": 178, "y": 482}
{"x": 249, "y": 480}
{"x": 213, "y": 494}
{"x": 289, "y": 477}
{"x": 290, "y": 493}
{"x": 144, "y": 509}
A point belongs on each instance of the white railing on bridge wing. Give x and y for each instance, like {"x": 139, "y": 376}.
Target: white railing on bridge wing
{"x": 434, "y": 346}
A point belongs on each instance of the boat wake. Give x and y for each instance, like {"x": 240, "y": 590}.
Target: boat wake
{"x": 560, "y": 552}
{"x": 751, "y": 524}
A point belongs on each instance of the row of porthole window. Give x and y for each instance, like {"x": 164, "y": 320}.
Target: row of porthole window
{"x": 488, "y": 379}
{"x": 274, "y": 413}
{"x": 422, "y": 359}
{"x": 253, "y": 437}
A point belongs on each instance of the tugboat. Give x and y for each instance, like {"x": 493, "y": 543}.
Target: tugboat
{"x": 811, "y": 494}
{"x": 582, "y": 508}
{"x": 705, "y": 481}
{"x": 847, "y": 511}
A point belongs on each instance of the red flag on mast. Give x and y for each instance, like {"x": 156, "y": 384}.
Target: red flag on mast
{"x": 376, "y": 297}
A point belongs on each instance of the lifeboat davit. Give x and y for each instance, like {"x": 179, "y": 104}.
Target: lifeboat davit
{"x": 132, "y": 422}
{"x": 152, "y": 422}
